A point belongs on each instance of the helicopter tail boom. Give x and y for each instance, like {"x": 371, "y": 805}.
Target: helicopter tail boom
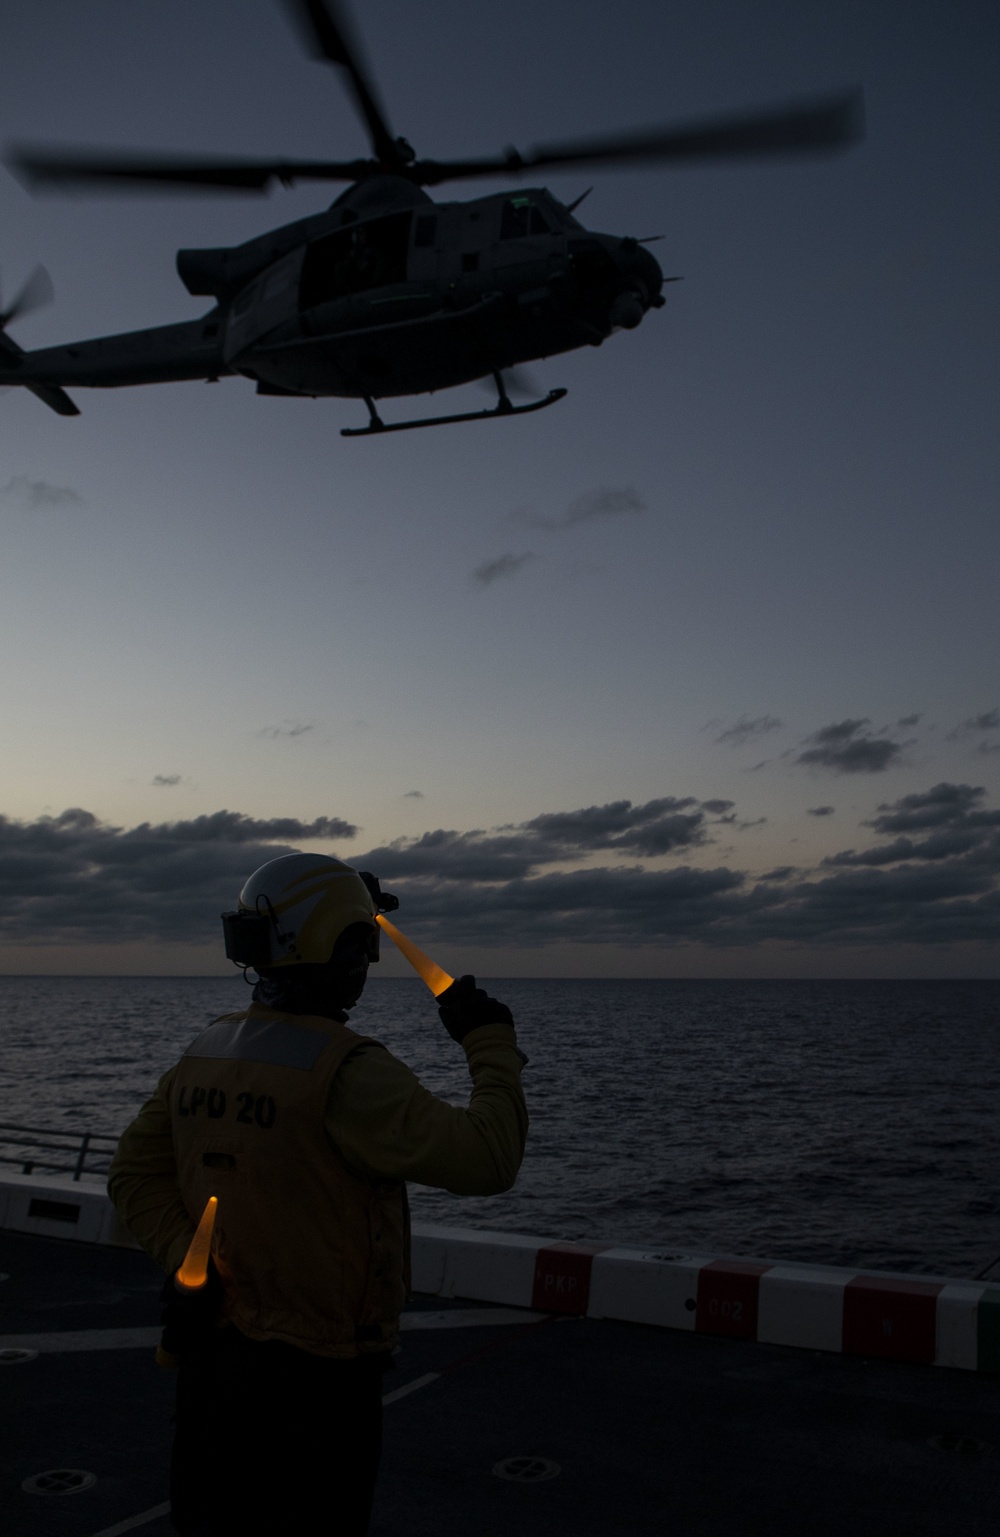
{"x": 56, "y": 399}
{"x": 162, "y": 355}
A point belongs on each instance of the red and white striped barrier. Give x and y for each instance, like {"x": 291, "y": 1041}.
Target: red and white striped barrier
{"x": 815, "y": 1307}
{"x": 927, "y": 1319}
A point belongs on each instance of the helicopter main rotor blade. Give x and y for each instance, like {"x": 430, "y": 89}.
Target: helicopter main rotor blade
{"x": 814, "y": 127}
{"x": 825, "y": 124}
{"x": 329, "y": 35}
{"x": 115, "y": 170}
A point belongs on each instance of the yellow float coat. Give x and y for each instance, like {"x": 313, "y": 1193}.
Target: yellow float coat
{"x": 307, "y": 1132}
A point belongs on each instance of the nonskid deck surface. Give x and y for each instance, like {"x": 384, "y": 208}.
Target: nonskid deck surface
{"x": 652, "y": 1430}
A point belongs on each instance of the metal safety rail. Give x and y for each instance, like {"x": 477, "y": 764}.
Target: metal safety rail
{"x": 48, "y": 1150}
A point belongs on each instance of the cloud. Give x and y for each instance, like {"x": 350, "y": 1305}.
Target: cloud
{"x": 658, "y": 827}
{"x": 951, "y": 816}
{"x": 653, "y": 830}
{"x": 635, "y": 907}
{"x": 413, "y": 795}
{"x": 748, "y": 729}
{"x": 288, "y": 728}
{"x": 164, "y": 781}
{"x": 820, "y": 811}
{"x": 943, "y": 887}
{"x": 605, "y": 502}
{"x": 989, "y": 720}
{"x": 944, "y": 805}
{"x": 941, "y": 846}
{"x": 718, "y": 808}
{"x": 627, "y": 905}
{"x": 73, "y": 877}
{"x": 909, "y": 720}
{"x": 38, "y": 495}
{"x": 504, "y": 565}
{"x": 932, "y": 878}
{"x": 847, "y": 748}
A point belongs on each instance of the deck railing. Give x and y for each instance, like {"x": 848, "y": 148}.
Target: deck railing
{"x": 34, "y": 1149}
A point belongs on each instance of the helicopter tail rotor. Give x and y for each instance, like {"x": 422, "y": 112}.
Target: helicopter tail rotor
{"x": 33, "y": 295}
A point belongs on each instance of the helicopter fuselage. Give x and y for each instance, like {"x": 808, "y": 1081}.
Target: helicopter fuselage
{"x": 386, "y": 293}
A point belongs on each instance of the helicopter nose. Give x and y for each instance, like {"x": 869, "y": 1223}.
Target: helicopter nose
{"x": 641, "y": 268}
{"x": 650, "y": 273}
{"x": 644, "y": 281}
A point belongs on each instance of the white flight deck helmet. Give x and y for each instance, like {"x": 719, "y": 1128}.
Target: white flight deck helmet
{"x": 293, "y": 910}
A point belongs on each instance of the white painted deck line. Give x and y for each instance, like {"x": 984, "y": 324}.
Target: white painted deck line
{"x": 149, "y": 1338}
{"x": 411, "y": 1387}
{"x": 83, "y": 1339}
{"x": 468, "y": 1318}
{"x": 142, "y": 1519}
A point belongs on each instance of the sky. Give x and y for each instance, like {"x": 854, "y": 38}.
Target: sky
{"x": 694, "y": 674}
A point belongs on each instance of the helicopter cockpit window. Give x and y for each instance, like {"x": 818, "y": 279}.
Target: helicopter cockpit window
{"x": 522, "y": 217}
{"x": 370, "y": 254}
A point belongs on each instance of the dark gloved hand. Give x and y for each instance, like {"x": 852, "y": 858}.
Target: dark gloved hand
{"x": 188, "y": 1317}
{"x": 464, "y": 1007}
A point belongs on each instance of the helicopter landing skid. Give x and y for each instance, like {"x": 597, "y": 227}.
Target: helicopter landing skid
{"x": 504, "y": 407}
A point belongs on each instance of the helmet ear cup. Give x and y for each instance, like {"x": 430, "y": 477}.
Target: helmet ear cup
{"x": 247, "y": 937}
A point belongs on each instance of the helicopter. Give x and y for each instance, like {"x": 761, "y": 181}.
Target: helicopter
{"x": 388, "y": 293}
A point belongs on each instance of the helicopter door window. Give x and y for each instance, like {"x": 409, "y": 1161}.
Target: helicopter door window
{"x": 277, "y": 281}
{"x": 521, "y": 217}
{"x": 242, "y": 302}
{"x": 368, "y": 255}
{"x": 425, "y": 229}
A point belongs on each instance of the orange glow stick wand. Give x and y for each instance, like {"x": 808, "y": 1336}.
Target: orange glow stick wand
{"x": 193, "y": 1274}
{"x": 427, "y": 970}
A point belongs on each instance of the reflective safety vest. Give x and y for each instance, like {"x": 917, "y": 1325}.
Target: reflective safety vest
{"x": 310, "y": 1252}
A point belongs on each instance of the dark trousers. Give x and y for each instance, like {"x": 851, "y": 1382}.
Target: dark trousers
{"x": 271, "y": 1440}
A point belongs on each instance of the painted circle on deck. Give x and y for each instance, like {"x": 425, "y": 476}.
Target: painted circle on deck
{"x": 59, "y": 1481}
{"x": 526, "y": 1470}
{"x": 965, "y": 1446}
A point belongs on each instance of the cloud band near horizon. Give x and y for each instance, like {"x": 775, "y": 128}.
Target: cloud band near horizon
{"x": 933, "y": 879}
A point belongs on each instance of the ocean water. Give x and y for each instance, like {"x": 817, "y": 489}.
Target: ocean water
{"x": 849, "y": 1123}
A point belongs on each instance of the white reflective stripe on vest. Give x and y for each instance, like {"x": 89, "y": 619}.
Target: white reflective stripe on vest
{"x": 273, "y": 1041}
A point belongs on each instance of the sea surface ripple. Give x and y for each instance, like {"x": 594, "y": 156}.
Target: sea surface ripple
{"x": 848, "y": 1123}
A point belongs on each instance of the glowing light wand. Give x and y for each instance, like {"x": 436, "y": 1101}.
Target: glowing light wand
{"x": 193, "y": 1273}
{"x": 429, "y": 971}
